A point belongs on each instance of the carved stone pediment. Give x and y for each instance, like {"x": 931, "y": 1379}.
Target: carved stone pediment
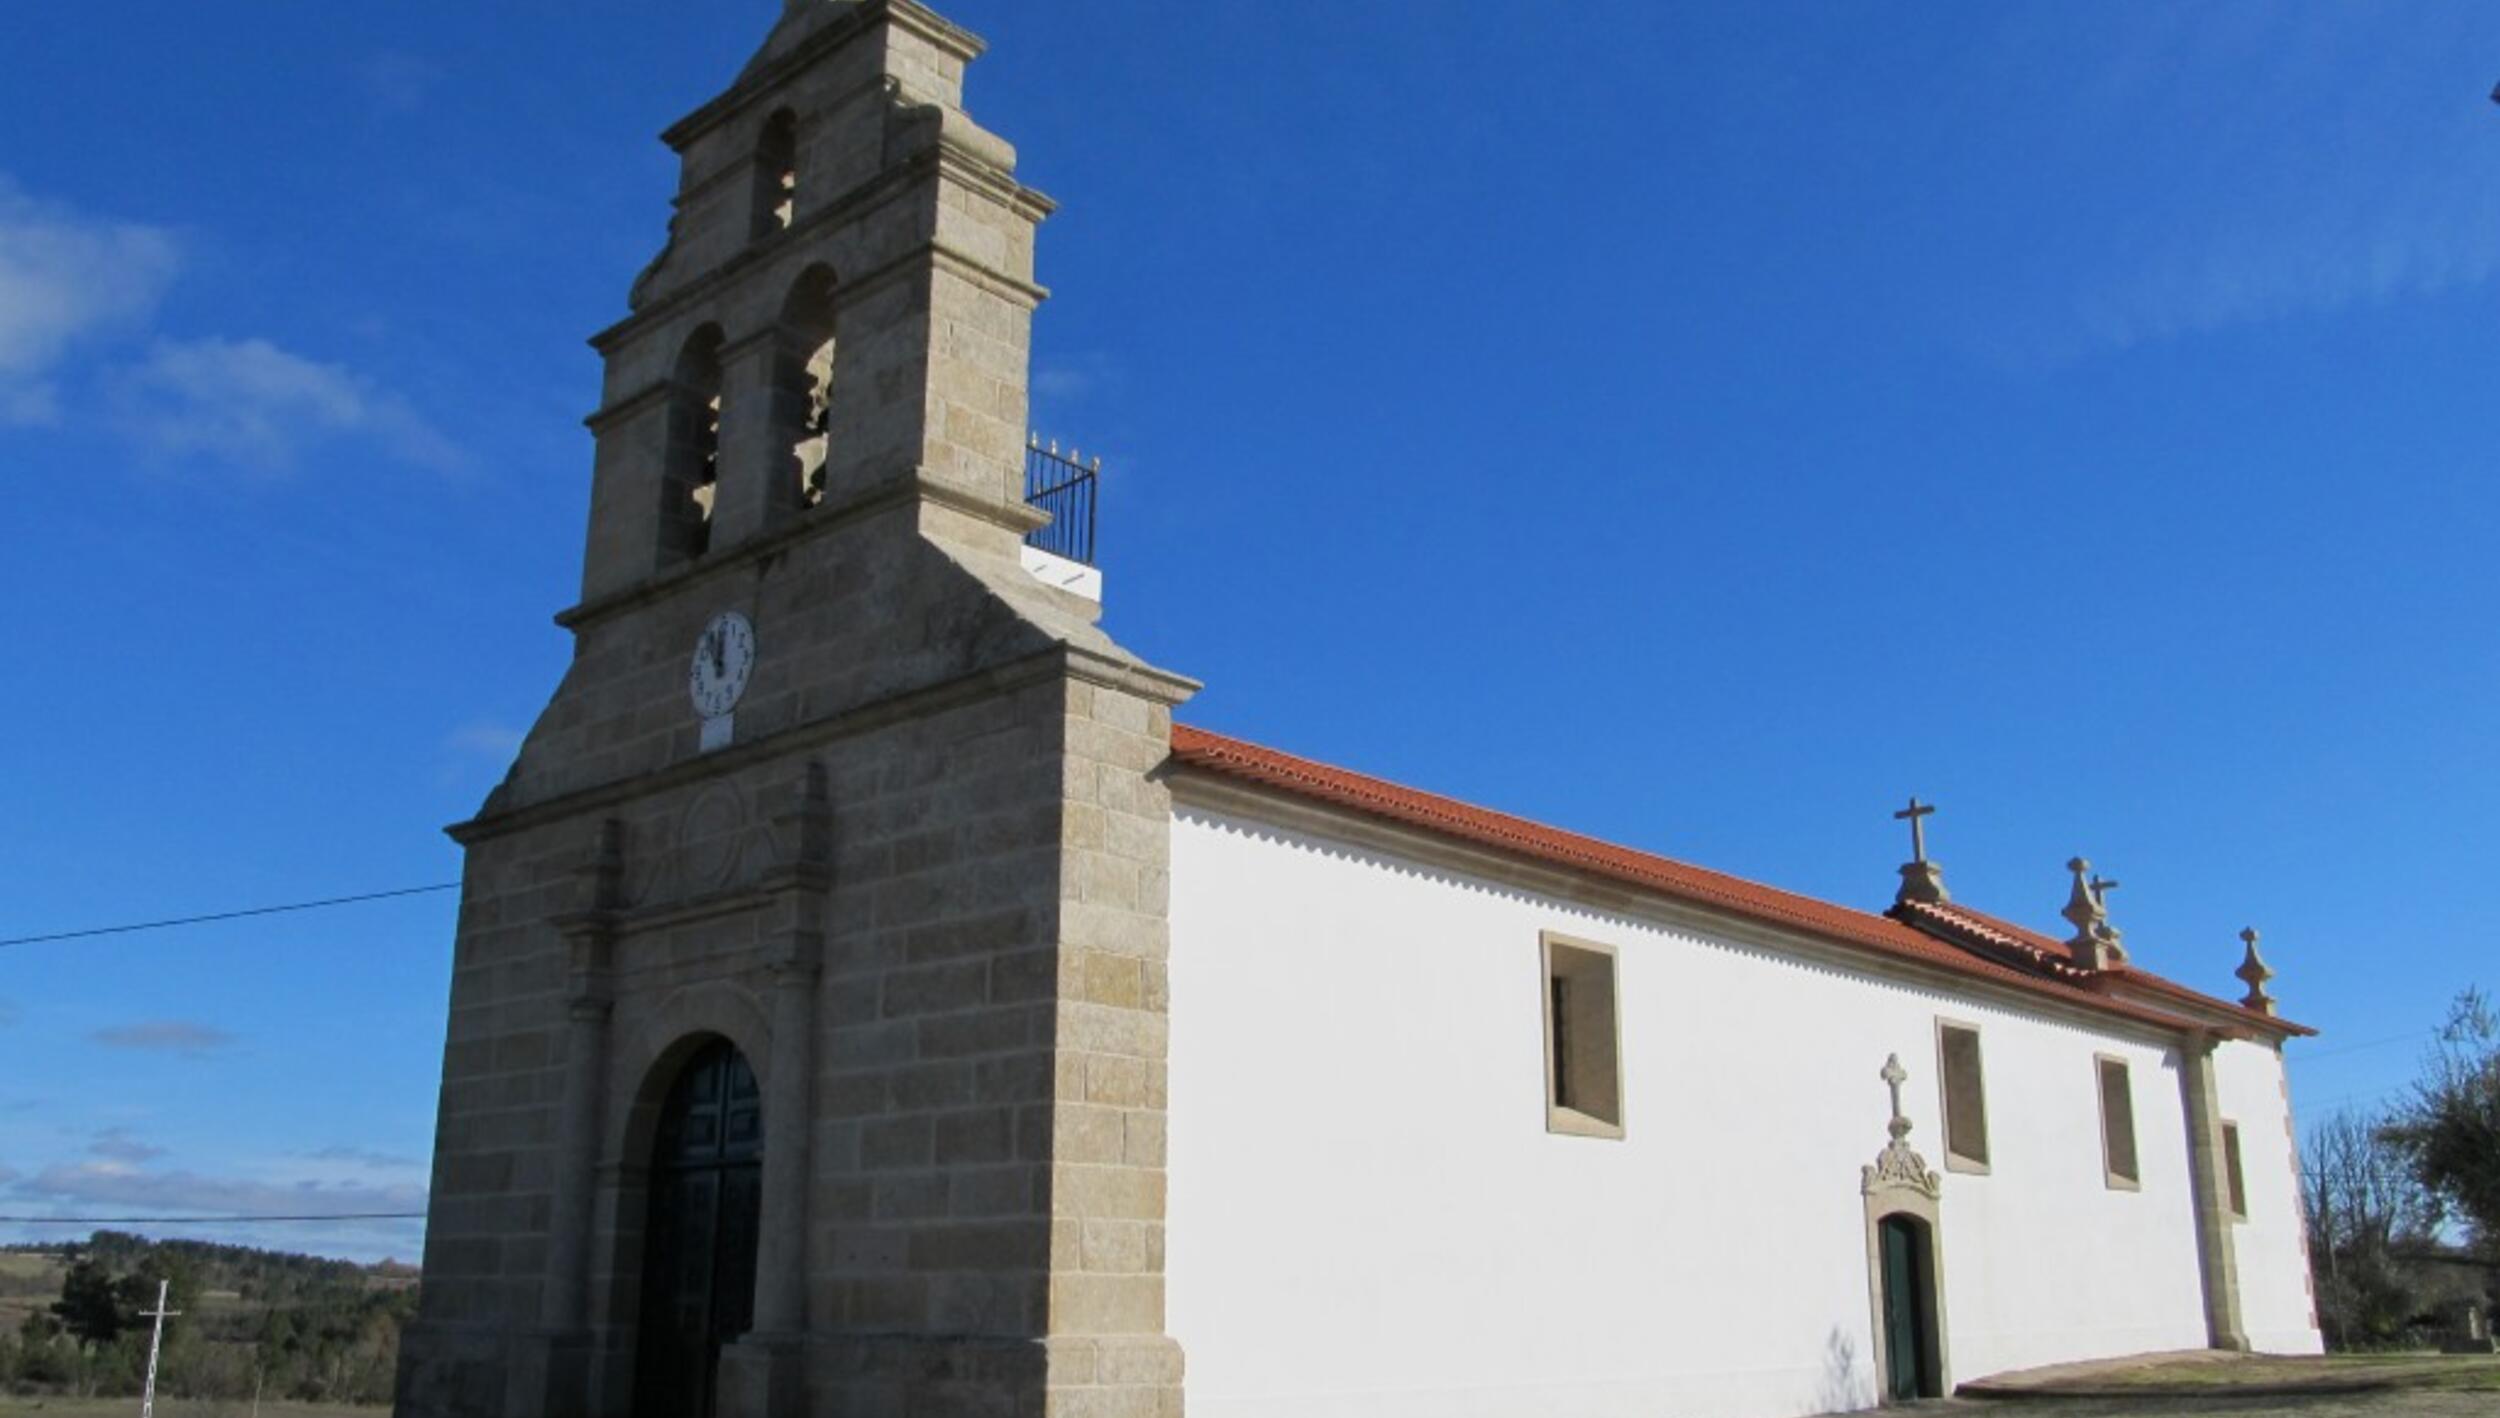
{"x": 1900, "y": 1166}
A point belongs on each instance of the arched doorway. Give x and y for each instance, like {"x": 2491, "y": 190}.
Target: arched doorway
{"x": 1911, "y": 1368}
{"x": 698, "y": 1267}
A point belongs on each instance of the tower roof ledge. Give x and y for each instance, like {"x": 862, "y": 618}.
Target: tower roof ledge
{"x": 807, "y": 29}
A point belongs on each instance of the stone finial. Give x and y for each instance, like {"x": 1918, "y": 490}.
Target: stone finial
{"x": 2255, "y": 972}
{"x": 1894, "y": 1075}
{"x": 2096, "y": 942}
{"x": 1921, "y": 879}
{"x": 1899, "y": 1165}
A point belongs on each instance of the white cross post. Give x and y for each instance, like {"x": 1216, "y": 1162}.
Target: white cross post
{"x": 147, "y": 1402}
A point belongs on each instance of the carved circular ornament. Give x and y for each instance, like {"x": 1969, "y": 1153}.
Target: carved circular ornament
{"x": 712, "y": 837}
{"x": 724, "y": 656}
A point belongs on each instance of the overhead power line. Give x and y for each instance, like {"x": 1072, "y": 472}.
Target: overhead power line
{"x": 2305, "y": 1058}
{"x": 94, "y": 931}
{"x": 206, "y": 1220}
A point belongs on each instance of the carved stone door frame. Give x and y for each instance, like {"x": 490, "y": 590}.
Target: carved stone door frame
{"x": 1900, "y": 1183}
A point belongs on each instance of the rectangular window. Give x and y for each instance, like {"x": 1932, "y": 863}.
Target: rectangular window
{"x": 2117, "y": 1125}
{"x": 1965, "y": 1098}
{"x": 1583, "y": 1052}
{"x": 2231, "y": 1171}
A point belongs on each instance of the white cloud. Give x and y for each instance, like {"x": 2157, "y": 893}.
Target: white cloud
{"x": 495, "y": 742}
{"x": 256, "y": 406}
{"x": 114, "y": 1183}
{"x": 2410, "y": 246}
{"x": 174, "y": 1036}
{"x": 65, "y": 277}
{"x": 372, "y": 1159}
{"x": 89, "y": 1188}
{"x": 68, "y": 278}
{"x": 116, "y": 1145}
{"x": 399, "y": 83}
{"x": 1075, "y": 379}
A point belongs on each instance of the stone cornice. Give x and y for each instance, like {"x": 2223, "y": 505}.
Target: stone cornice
{"x": 633, "y": 405}
{"x": 1193, "y": 788}
{"x": 1059, "y": 662}
{"x": 1129, "y": 676}
{"x": 910, "y": 488}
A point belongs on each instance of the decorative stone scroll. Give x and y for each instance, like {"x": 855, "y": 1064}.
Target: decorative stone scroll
{"x": 1899, "y": 1166}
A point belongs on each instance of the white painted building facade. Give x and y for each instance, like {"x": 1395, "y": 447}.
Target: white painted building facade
{"x": 866, "y": 999}
{"x": 1370, "y": 1216}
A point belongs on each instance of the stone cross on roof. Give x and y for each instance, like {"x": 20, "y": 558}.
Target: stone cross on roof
{"x": 1921, "y": 879}
{"x": 1917, "y": 814}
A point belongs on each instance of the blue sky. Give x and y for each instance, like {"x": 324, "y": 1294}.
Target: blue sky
{"x": 1701, "y": 425}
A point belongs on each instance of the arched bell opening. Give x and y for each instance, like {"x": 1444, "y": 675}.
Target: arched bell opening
{"x": 803, "y": 388}
{"x": 776, "y": 175}
{"x": 690, "y": 476}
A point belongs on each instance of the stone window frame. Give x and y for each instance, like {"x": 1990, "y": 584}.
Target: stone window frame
{"x": 2234, "y": 1178}
{"x": 2111, "y": 1177}
{"x": 1955, "y": 1159}
{"x": 1560, "y": 1119}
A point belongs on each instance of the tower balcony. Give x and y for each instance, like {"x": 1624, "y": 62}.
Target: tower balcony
{"x": 1063, "y": 485}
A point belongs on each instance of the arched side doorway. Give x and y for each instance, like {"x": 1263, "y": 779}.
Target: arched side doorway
{"x": 699, "y": 1243}
{"x": 1905, "y": 1263}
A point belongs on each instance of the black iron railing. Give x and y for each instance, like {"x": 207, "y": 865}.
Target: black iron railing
{"x": 1063, "y": 485}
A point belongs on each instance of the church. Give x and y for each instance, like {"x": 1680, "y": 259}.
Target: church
{"x": 868, "y": 1000}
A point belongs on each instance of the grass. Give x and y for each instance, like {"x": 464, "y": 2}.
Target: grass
{"x": 29, "y": 1280}
{"x": 2408, "y": 1373}
{"x": 174, "y": 1408}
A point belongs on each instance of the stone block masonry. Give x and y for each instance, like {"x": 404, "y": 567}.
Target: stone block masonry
{"x": 922, "y": 891}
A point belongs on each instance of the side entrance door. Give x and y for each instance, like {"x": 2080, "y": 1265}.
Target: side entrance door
{"x": 1909, "y": 1309}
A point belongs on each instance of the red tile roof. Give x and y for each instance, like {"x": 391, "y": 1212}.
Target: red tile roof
{"x": 1981, "y": 930}
{"x": 1956, "y": 920}
{"x": 1876, "y": 935}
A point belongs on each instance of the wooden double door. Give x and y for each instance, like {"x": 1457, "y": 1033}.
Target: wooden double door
{"x": 699, "y": 1243}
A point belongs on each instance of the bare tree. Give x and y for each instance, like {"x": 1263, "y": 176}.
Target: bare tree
{"x": 2365, "y": 1212}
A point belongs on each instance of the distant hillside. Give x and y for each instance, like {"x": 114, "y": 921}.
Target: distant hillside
{"x": 283, "y": 1325}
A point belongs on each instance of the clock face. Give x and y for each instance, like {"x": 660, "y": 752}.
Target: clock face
{"x": 723, "y": 658}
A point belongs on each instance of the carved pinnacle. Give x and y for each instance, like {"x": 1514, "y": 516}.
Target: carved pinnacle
{"x": 2254, "y": 970}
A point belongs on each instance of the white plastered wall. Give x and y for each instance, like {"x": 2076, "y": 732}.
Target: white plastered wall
{"x": 1368, "y": 1216}
{"x": 2275, "y": 1299}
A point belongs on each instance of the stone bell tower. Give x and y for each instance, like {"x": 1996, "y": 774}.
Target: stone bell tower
{"x": 807, "y": 1034}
